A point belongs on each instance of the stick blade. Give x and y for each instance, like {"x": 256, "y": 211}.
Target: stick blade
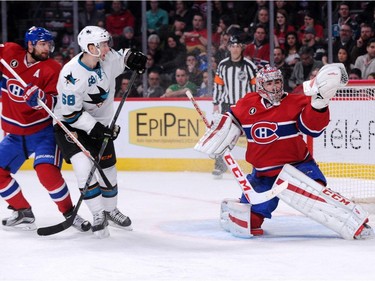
{"x": 53, "y": 229}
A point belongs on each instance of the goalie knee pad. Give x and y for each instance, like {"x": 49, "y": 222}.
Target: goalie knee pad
{"x": 321, "y": 203}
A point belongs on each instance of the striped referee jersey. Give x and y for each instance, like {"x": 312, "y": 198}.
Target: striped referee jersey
{"x": 233, "y": 80}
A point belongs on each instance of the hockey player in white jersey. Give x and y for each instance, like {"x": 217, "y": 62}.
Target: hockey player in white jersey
{"x": 85, "y": 105}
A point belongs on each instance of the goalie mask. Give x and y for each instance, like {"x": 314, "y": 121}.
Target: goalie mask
{"x": 272, "y": 92}
{"x": 35, "y": 34}
{"x": 93, "y": 35}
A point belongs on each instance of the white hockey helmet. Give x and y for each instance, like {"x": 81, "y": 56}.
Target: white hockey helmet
{"x": 92, "y": 35}
{"x": 270, "y": 73}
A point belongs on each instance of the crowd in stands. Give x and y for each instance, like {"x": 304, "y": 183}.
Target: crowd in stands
{"x": 177, "y": 38}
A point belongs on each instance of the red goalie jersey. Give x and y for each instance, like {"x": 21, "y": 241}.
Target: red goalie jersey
{"x": 17, "y": 117}
{"x": 278, "y": 138}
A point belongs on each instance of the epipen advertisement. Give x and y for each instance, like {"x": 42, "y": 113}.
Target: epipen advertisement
{"x": 155, "y": 129}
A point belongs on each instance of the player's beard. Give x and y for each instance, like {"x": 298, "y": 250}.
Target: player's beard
{"x": 39, "y": 57}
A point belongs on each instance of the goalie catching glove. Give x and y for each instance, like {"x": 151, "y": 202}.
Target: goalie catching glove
{"x": 222, "y": 135}
{"x": 325, "y": 85}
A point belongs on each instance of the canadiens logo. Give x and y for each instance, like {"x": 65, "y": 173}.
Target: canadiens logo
{"x": 15, "y": 90}
{"x": 264, "y": 132}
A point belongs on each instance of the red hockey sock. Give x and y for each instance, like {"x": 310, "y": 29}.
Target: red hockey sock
{"x": 11, "y": 191}
{"x": 50, "y": 177}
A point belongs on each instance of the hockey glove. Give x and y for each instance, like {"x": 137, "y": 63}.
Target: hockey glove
{"x": 99, "y": 131}
{"x": 221, "y": 136}
{"x": 136, "y": 60}
{"x": 31, "y": 95}
{"x": 325, "y": 85}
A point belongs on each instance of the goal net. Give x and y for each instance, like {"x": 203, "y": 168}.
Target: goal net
{"x": 346, "y": 150}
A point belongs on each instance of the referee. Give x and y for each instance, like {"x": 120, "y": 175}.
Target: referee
{"x": 235, "y": 76}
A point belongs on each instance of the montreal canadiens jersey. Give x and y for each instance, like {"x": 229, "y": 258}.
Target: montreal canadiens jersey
{"x": 86, "y": 95}
{"x": 275, "y": 133}
{"x": 17, "y": 117}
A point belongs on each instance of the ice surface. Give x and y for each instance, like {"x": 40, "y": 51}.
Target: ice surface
{"x": 177, "y": 236}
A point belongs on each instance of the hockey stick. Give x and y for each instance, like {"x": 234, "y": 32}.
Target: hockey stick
{"x": 251, "y": 195}
{"x": 53, "y": 229}
{"x": 69, "y": 133}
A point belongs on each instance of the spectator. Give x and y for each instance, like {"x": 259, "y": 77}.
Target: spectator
{"x": 174, "y": 56}
{"x": 279, "y": 60}
{"x": 366, "y": 63}
{"x": 345, "y": 18}
{"x": 127, "y": 40}
{"x": 89, "y": 15}
{"x": 259, "y": 50}
{"x": 156, "y": 17}
{"x": 309, "y": 21}
{"x": 182, "y": 85}
{"x": 203, "y": 89}
{"x": 192, "y": 66}
{"x": 292, "y": 47}
{"x": 224, "y": 22}
{"x": 355, "y": 74}
{"x": 59, "y": 58}
{"x": 371, "y": 76}
{"x": 154, "y": 48}
{"x": 309, "y": 40}
{"x": 303, "y": 68}
{"x": 262, "y": 18}
{"x": 343, "y": 56}
{"x": 117, "y": 20}
{"x": 345, "y": 40}
{"x": 359, "y": 48}
{"x": 183, "y": 11}
{"x": 154, "y": 89}
{"x": 223, "y": 52}
{"x": 197, "y": 37}
{"x": 124, "y": 82}
{"x": 282, "y": 27}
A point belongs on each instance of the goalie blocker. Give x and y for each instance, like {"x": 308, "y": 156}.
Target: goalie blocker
{"x": 314, "y": 200}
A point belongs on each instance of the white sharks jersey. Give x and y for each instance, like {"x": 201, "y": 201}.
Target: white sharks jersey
{"x": 86, "y": 95}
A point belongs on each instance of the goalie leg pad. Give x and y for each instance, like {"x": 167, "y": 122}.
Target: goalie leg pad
{"x": 223, "y": 134}
{"x": 321, "y": 204}
{"x": 237, "y": 218}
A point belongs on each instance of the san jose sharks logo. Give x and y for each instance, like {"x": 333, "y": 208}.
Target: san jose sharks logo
{"x": 98, "y": 98}
{"x": 70, "y": 79}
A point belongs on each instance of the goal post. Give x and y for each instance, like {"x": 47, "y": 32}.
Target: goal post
{"x": 346, "y": 150}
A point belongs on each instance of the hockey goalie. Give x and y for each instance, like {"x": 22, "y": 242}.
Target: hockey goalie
{"x": 274, "y": 122}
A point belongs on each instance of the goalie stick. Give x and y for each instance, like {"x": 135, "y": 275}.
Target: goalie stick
{"x": 53, "y": 229}
{"x": 69, "y": 133}
{"x": 251, "y": 195}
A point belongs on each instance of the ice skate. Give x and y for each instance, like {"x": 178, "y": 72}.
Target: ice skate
{"x": 22, "y": 219}
{"x": 79, "y": 223}
{"x": 118, "y": 219}
{"x": 364, "y": 232}
{"x": 99, "y": 226}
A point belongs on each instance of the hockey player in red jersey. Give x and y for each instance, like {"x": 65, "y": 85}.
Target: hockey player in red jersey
{"x": 29, "y": 128}
{"x": 274, "y": 123}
